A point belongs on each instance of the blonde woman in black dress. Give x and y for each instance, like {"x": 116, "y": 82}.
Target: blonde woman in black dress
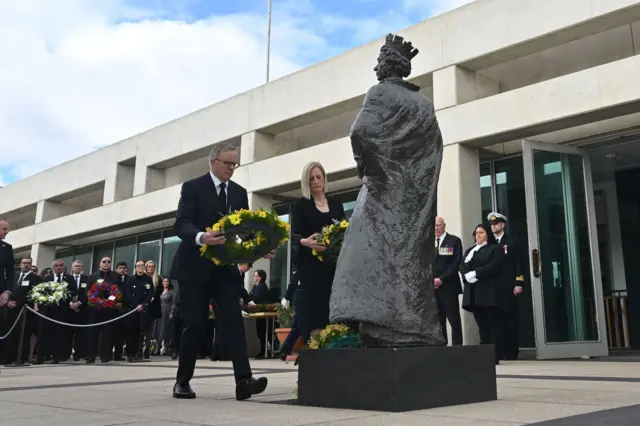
{"x": 310, "y": 214}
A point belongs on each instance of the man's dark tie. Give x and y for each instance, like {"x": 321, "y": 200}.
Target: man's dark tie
{"x": 223, "y": 198}
{"x": 20, "y": 279}
{"x": 438, "y": 242}
{"x": 58, "y": 279}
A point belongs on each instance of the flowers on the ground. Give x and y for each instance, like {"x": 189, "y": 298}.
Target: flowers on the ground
{"x": 50, "y": 293}
{"x": 251, "y": 234}
{"x": 104, "y": 295}
{"x": 330, "y": 334}
{"x": 332, "y": 237}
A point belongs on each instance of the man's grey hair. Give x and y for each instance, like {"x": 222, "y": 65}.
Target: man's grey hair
{"x": 219, "y": 148}
{"x": 58, "y": 260}
{"x": 77, "y": 262}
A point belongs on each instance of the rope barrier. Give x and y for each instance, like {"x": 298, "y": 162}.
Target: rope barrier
{"x": 80, "y": 325}
{"x": 14, "y": 324}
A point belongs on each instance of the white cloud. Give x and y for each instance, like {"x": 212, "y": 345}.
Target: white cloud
{"x": 76, "y": 78}
{"x": 93, "y": 72}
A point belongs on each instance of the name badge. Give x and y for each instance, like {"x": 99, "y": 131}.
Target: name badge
{"x": 112, "y": 298}
{"x": 83, "y": 285}
{"x": 25, "y": 283}
{"x": 446, "y": 251}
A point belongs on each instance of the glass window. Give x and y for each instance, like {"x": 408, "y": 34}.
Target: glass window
{"x": 486, "y": 190}
{"x": 126, "y": 252}
{"x": 170, "y": 245}
{"x": 66, "y": 256}
{"x": 100, "y": 251}
{"x": 83, "y": 254}
{"x": 149, "y": 247}
{"x": 279, "y": 266}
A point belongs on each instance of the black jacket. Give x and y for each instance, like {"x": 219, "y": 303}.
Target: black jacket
{"x": 65, "y": 278}
{"x": 200, "y": 207}
{"x": 487, "y": 292}
{"x": 447, "y": 264}
{"x": 7, "y": 276}
{"x": 23, "y": 287}
{"x": 259, "y": 294}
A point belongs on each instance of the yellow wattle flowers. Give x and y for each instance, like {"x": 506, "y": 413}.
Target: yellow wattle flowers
{"x": 243, "y": 246}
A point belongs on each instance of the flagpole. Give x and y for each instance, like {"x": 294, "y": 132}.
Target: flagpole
{"x": 268, "y": 37}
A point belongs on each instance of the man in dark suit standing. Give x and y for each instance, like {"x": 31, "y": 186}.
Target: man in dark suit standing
{"x": 77, "y": 337}
{"x": 26, "y": 281}
{"x": 51, "y": 336}
{"x": 447, "y": 280}
{"x": 6, "y": 269}
{"x": 513, "y": 282}
{"x": 203, "y": 201}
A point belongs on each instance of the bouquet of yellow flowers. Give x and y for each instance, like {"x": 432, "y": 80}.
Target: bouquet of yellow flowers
{"x": 250, "y": 235}
{"x": 332, "y": 237}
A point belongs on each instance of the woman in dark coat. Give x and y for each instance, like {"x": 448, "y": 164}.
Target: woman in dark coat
{"x": 311, "y": 213}
{"x": 481, "y": 270}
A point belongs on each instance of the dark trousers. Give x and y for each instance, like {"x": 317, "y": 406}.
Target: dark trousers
{"x": 449, "y": 309}
{"x": 9, "y": 346}
{"x": 51, "y": 336}
{"x": 512, "y": 332}
{"x": 106, "y": 331}
{"x": 132, "y": 331}
{"x": 194, "y": 297}
{"x": 292, "y": 337}
{"x": 176, "y": 334}
{"x": 120, "y": 333}
{"x": 490, "y": 322}
{"x": 77, "y": 336}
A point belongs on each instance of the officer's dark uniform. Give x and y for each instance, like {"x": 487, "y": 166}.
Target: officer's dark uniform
{"x": 513, "y": 277}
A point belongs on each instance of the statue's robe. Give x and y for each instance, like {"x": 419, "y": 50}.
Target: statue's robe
{"x": 384, "y": 277}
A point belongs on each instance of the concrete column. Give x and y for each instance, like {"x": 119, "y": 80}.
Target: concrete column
{"x": 256, "y": 146}
{"x": 119, "y": 185}
{"x": 258, "y": 201}
{"x": 43, "y": 255}
{"x": 49, "y": 210}
{"x": 456, "y": 85}
{"x": 147, "y": 179}
{"x": 459, "y": 204}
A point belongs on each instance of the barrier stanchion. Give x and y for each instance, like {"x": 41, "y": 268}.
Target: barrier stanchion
{"x": 19, "y": 362}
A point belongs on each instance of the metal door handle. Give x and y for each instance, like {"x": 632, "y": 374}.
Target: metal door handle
{"x": 535, "y": 262}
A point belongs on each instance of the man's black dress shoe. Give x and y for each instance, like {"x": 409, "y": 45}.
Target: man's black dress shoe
{"x": 183, "y": 392}
{"x": 246, "y": 388}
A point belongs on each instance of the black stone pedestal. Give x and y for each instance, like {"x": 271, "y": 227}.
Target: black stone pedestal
{"x": 400, "y": 379}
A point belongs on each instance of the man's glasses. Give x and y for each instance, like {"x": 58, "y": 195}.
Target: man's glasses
{"x": 228, "y": 164}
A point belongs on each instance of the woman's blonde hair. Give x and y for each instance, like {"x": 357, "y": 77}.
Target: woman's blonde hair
{"x": 306, "y": 173}
{"x": 156, "y": 276}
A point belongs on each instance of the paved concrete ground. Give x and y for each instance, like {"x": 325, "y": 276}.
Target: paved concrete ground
{"x": 140, "y": 394}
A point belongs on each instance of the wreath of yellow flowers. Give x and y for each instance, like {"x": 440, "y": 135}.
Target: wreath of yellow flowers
{"x": 331, "y": 236}
{"x": 251, "y": 234}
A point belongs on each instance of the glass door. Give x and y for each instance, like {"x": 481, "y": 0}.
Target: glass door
{"x": 565, "y": 265}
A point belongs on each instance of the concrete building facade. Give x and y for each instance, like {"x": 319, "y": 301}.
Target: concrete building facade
{"x": 531, "y": 96}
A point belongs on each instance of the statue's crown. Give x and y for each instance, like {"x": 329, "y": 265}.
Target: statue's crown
{"x": 405, "y": 48}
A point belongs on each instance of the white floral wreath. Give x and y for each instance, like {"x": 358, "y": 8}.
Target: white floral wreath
{"x": 50, "y": 293}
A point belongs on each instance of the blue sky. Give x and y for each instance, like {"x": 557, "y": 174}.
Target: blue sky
{"x": 98, "y": 71}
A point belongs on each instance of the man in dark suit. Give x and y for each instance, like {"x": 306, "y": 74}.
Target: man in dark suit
{"x": 447, "y": 280}
{"x": 6, "y": 269}
{"x": 203, "y": 201}
{"x": 513, "y": 282}
{"x": 51, "y": 336}
{"x": 99, "y": 315}
{"x": 26, "y": 281}
{"x": 77, "y": 337}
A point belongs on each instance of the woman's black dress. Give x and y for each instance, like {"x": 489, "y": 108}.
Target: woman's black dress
{"x": 486, "y": 297}
{"x": 316, "y": 278}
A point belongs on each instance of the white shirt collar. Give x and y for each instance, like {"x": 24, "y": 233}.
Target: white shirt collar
{"x": 216, "y": 181}
{"x": 498, "y": 237}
